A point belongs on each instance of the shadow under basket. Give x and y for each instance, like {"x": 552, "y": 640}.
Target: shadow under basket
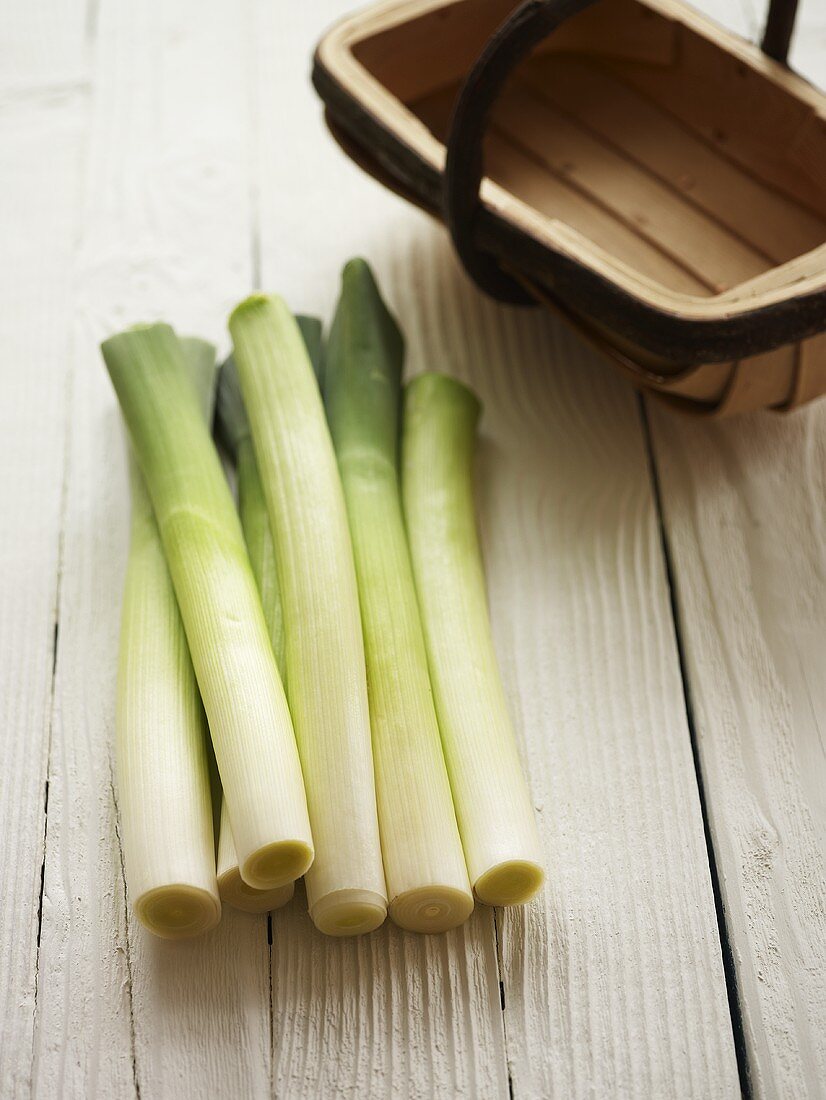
{"x": 628, "y": 163}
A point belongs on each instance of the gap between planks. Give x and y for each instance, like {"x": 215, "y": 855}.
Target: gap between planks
{"x": 58, "y": 584}
{"x": 729, "y": 970}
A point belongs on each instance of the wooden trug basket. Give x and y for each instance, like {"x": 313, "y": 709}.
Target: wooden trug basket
{"x": 629, "y": 163}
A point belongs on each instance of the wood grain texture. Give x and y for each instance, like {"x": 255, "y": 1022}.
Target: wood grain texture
{"x": 745, "y": 522}
{"x": 189, "y": 163}
{"x": 390, "y": 1014}
{"x": 38, "y": 225}
{"x": 394, "y": 1013}
{"x": 44, "y": 48}
{"x": 165, "y": 233}
{"x": 613, "y": 982}
{"x": 745, "y": 517}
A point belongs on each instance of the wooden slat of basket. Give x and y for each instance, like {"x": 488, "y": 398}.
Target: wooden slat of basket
{"x": 721, "y": 110}
{"x": 553, "y": 194}
{"x": 601, "y": 170}
{"x": 780, "y": 227}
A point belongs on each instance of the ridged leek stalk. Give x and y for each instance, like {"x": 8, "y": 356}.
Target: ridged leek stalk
{"x": 219, "y": 603}
{"x": 234, "y": 430}
{"x": 493, "y": 806}
{"x": 160, "y": 728}
{"x": 324, "y": 648}
{"x": 427, "y": 881}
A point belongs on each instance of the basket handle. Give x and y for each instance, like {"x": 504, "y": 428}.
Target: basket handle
{"x": 777, "y": 34}
{"x": 527, "y": 25}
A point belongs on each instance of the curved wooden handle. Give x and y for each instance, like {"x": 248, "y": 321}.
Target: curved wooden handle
{"x": 777, "y": 34}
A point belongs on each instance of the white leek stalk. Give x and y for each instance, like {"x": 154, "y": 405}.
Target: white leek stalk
{"x": 234, "y": 429}
{"x": 427, "y": 881}
{"x": 493, "y": 805}
{"x": 324, "y": 648}
{"x": 219, "y": 603}
{"x": 160, "y": 727}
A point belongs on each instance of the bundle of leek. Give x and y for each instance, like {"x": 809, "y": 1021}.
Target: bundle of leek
{"x": 219, "y": 604}
{"x": 161, "y": 751}
{"x": 427, "y": 879}
{"x": 364, "y": 597}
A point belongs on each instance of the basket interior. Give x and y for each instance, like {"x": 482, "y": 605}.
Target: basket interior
{"x": 677, "y": 158}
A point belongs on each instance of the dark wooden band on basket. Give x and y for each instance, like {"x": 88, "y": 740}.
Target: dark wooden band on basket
{"x": 525, "y": 27}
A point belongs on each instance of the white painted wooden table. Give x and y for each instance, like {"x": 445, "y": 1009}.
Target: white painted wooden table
{"x": 658, "y": 591}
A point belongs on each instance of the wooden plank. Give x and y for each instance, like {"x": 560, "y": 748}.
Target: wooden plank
{"x": 166, "y": 233}
{"x": 393, "y": 1013}
{"x": 743, "y": 504}
{"x": 43, "y": 47}
{"x": 745, "y": 524}
{"x": 613, "y": 984}
{"x": 38, "y": 224}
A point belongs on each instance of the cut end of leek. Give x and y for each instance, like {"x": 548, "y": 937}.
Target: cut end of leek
{"x": 178, "y": 911}
{"x": 235, "y": 892}
{"x": 277, "y": 864}
{"x": 349, "y": 912}
{"x": 431, "y": 909}
{"x": 232, "y": 421}
{"x": 250, "y": 305}
{"x": 432, "y": 385}
{"x": 514, "y": 882}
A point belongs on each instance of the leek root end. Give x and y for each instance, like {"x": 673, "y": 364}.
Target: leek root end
{"x": 178, "y": 911}
{"x": 431, "y": 909}
{"x": 277, "y": 864}
{"x": 349, "y": 912}
{"x": 513, "y": 882}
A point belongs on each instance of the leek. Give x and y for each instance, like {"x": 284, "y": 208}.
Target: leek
{"x": 234, "y": 430}
{"x": 232, "y": 888}
{"x": 219, "y": 604}
{"x": 310, "y": 328}
{"x": 493, "y": 806}
{"x": 324, "y": 648}
{"x": 427, "y": 880}
{"x": 160, "y": 729}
